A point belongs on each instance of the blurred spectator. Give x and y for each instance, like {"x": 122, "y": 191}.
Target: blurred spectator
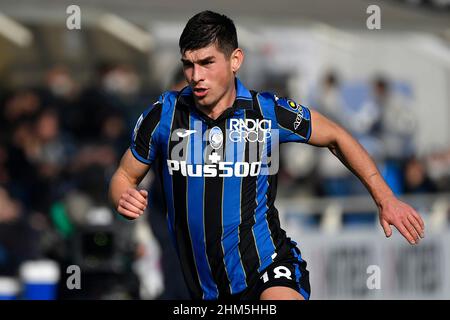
{"x": 438, "y": 169}
{"x": 18, "y": 240}
{"x": 395, "y": 129}
{"x": 61, "y": 84}
{"x": 18, "y": 165}
{"x": 398, "y": 123}
{"x": 328, "y": 100}
{"x": 336, "y": 179}
{"x": 118, "y": 91}
{"x": 416, "y": 178}
{"x": 363, "y": 122}
{"x": 50, "y": 152}
{"x": 114, "y": 132}
{"x": 20, "y": 105}
{"x": 62, "y": 91}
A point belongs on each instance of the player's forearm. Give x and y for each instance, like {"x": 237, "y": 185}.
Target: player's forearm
{"x": 356, "y": 158}
{"x": 118, "y": 186}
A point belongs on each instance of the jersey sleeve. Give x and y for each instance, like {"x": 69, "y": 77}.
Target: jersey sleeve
{"x": 294, "y": 121}
{"x": 145, "y": 137}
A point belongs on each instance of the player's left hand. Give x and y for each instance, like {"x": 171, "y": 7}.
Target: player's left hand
{"x": 403, "y": 217}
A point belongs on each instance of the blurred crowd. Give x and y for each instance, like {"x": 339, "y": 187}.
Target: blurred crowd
{"x": 60, "y": 144}
{"x": 378, "y": 113}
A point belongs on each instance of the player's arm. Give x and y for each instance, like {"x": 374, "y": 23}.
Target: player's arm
{"x": 135, "y": 163}
{"x": 123, "y": 192}
{"x": 392, "y": 211}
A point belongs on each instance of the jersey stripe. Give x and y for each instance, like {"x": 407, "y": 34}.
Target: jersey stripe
{"x": 181, "y": 120}
{"x": 247, "y": 246}
{"x": 266, "y": 246}
{"x": 231, "y": 218}
{"x": 165, "y": 129}
{"x": 195, "y": 214}
{"x": 278, "y": 235}
{"x": 213, "y": 221}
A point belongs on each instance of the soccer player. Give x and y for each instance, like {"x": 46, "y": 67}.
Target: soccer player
{"x": 217, "y": 142}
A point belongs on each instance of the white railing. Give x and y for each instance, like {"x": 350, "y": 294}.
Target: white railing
{"x": 346, "y": 262}
{"x": 434, "y": 208}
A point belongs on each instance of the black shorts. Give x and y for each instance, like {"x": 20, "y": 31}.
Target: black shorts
{"x": 288, "y": 272}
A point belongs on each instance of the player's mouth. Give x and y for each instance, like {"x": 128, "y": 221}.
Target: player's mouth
{"x": 200, "y": 92}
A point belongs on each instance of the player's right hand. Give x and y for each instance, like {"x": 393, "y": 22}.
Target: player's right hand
{"x": 132, "y": 203}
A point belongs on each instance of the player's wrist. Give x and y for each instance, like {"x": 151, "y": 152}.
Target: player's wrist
{"x": 382, "y": 200}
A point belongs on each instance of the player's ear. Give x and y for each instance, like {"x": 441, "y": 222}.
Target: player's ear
{"x": 237, "y": 57}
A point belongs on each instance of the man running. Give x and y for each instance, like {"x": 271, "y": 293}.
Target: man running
{"x": 218, "y": 145}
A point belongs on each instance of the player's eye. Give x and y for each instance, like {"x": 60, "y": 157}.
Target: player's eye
{"x": 187, "y": 64}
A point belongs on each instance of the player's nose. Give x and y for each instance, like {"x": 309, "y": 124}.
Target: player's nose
{"x": 197, "y": 75}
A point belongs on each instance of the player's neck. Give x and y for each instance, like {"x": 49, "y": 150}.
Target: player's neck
{"x": 226, "y": 101}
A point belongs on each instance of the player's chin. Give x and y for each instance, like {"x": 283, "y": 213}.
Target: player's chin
{"x": 206, "y": 100}
{"x": 202, "y": 102}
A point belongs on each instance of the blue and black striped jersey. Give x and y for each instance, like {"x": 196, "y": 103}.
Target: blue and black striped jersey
{"x": 220, "y": 180}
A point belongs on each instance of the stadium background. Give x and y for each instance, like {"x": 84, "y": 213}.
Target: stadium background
{"x": 69, "y": 98}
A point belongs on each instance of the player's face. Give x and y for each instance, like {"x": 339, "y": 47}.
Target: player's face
{"x": 210, "y": 74}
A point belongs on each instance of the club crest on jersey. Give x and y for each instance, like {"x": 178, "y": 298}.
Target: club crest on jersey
{"x": 215, "y": 137}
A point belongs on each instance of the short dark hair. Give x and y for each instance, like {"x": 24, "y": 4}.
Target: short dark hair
{"x": 206, "y": 28}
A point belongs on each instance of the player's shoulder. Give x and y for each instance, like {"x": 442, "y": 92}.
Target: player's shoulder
{"x": 266, "y": 100}
{"x": 272, "y": 99}
{"x": 168, "y": 97}
{"x": 265, "y": 95}
{"x": 155, "y": 110}
{"x": 164, "y": 104}
{"x": 287, "y": 103}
